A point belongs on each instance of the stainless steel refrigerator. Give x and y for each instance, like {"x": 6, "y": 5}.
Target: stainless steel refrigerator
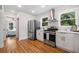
{"x": 33, "y": 25}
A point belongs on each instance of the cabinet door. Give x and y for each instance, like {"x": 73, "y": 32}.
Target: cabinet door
{"x": 37, "y": 35}
{"x": 76, "y": 47}
{"x": 60, "y": 40}
{"x": 69, "y": 43}
{"x": 40, "y": 35}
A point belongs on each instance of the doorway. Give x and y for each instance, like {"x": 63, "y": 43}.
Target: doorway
{"x": 10, "y": 27}
{"x": 12, "y": 34}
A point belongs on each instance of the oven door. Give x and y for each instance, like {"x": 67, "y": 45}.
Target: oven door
{"x": 52, "y": 37}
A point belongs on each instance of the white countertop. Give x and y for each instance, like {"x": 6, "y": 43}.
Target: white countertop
{"x": 68, "y": 32}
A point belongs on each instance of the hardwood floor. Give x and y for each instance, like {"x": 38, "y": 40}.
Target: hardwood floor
{"x": 12, "y": 45}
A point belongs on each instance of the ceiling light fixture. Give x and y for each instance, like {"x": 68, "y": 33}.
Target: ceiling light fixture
{"x": 33, "y": 11}
{"x": 42, "y": 6}
{"x": 12, "y": 11}
{"x": 19, "y": 5}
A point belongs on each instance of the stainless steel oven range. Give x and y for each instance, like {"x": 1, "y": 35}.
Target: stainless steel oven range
{"x": 50, "y": 36}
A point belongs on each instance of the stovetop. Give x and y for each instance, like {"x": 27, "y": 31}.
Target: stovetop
{"x": 51, "y": 31}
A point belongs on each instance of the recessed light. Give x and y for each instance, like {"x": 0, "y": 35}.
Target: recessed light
{"x": 33, "y": 11}
{"x": 12, "y": 11}
{"x": 19, "y": 5}
{"x": 42, "y": 6}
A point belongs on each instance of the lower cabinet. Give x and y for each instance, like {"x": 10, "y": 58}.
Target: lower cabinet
{"x": 76, "y": 48}
{"x": 39, "y": 35}
{"x": 60, "y": 40}
{"x": 67, "y": 41}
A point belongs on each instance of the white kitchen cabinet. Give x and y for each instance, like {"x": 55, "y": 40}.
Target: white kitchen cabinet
{"x": 39, "y": 35}
{"x": 65, "y": 41}
{"x": 69, "y": 43}
{"x": 76, "y": 46}
{"x": 60, "y": 40}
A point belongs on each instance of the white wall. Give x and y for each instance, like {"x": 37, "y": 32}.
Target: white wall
{"x": 23, "y": 24}
{"x": 2, "y": 28}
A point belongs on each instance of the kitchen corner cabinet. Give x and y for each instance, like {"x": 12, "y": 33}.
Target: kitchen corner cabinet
{"x": 39, "y": 35}
{"x": 67, "y": 41}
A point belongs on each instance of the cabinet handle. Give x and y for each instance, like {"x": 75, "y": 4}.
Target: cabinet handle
{"x": 39, "y": 34}
{"x": 63, "y": 38}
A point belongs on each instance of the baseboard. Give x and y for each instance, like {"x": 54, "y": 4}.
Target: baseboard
{"x": 23, "y": 39}
{"x": 66, "y": 50}
{"x": 32, "y": 39}
{"x": 46, "y": 43}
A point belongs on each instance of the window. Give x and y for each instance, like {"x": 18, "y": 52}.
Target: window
{"x": 68, "y": 19}
{"x": 45, "y": 21}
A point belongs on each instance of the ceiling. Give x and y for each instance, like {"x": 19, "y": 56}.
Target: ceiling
{"x": 37, "y": 9}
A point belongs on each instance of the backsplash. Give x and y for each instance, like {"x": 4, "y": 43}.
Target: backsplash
{"x": 51, "y": 24}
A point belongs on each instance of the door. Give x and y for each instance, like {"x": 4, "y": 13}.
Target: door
{"x": 32, "y": 26}
{"x": 2, "y": 29}
{"x": 37, "y": 24}
{"x": 40, "y": 35}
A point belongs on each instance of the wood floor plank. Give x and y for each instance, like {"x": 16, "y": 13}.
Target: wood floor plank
{"x": 12, "y": 45}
